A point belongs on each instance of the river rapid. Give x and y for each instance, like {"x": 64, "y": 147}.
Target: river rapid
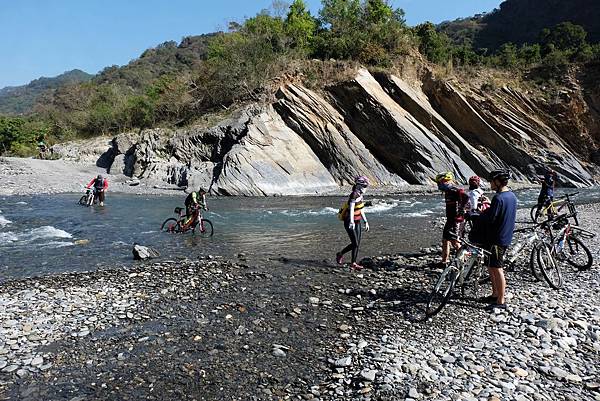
{"x": 43, "y": 235}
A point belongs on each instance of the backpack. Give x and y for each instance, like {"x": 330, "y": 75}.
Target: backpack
{"x": 343, "y": 212}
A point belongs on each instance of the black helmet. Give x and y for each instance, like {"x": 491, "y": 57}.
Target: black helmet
{"x": 99, "y": 176}
{"x": 202, "y": 190}
{"x": 502, "y": 175}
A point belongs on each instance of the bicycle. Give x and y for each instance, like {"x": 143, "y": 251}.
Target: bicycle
{"x": 88, "y": 199}
{"x": 183, "y": 225}
{"x": 465, "y": 270}
{"x": 567, "y": 246}
{"x": 554, "y": 208}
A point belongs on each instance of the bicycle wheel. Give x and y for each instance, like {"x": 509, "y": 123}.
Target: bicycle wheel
{"x": 206, "y": 230}
{"x": 578, "y": 255}
{"x": 471, "y": 287}
{"x": 549, "y": 267}
{"x": 442, "y": 291}
{"x": 170, "y": 225}
{"x": 533, "y": 265}
{"x": 83, "y": 200}
{"x": 534, "y": 213}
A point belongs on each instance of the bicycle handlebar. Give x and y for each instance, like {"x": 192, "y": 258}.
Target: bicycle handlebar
{"x": 567, "y": 196}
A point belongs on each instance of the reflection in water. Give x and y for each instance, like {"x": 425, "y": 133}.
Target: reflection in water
{"x": 51, "y": 234}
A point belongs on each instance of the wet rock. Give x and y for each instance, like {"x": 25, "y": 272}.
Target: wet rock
{"x": 141, "y": 252}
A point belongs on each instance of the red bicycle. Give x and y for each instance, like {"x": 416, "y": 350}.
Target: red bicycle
{"x": 196, "y": 224}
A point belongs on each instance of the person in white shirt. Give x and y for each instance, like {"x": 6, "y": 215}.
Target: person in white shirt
{"x": 475, "y": 194}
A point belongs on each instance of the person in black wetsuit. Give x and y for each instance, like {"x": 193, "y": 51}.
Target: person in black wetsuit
{"x": 353, "y": 214}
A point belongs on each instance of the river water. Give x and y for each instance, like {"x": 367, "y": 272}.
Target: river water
{"x": 41, "y": 235}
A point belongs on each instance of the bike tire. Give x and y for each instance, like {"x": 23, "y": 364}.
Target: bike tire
{"x": 576, "y": 247}
{"x": 533, "y": 266}
{"x": 442, "y": 291}
{"x": 534, "y": 214}
{"x": 83, "y": 201}
{"x": 549, "y": 266}
{"x": 471, "y": 287}
{"x": 170, "y": 225}
{"x": 208, "y": 229}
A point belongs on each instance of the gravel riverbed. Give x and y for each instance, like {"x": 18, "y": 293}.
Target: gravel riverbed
{"x": 213, "y": 329}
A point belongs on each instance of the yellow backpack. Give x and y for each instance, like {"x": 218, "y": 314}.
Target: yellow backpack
{"x": 343, "y": 212}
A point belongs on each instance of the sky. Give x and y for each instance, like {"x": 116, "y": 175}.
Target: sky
{"x": 46, "y": 38}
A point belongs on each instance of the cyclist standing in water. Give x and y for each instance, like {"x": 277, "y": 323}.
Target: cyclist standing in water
{"x": 193, "y": 201}
{"x": 352, "y": 213}
{"x": 456, "y": 200}
{"x": 494, "y": 230}
{"x": 100, "y": 185}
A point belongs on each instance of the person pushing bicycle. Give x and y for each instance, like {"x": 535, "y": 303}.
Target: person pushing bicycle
{"x": 195, "y": 200}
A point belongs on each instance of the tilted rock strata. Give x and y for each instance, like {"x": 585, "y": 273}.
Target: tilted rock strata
{"x": 379, "y": 126}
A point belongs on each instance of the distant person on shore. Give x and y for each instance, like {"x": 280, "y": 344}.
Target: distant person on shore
{"x": 352, "y": 214}
{"x": 494, "y": 231}
{"x": 547, "y": 192}
{"x": 195, "y": 200}
{"x": 456, "y": 200}
{"x": 99, "y": 186}
{"x": 42, "y": 150}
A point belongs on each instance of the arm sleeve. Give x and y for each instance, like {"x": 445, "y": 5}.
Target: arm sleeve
{"x": 462, "y": 201}
{"x": 351, "y": 210}
{"x": 90, "y": 184}
{"x": 105, "y": 184}
{"x": 472, "y": 200}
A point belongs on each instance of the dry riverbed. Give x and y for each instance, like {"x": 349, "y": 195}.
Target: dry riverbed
{"x": 213, "y": 329}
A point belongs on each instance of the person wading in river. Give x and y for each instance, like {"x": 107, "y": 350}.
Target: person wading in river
{"x": 352, "y": 214}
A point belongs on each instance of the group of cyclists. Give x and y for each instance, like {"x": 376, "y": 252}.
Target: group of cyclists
{"x": 491, "y": 223}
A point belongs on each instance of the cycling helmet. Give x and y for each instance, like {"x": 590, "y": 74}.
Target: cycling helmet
{"x": 475, "y": 181}
{"x": 361, "y": 181}
{"x": 500, "y": 175}
{"x": 443, "y": 177}
{"x": 202, "y": 190}
{"x": 99, "y": 176}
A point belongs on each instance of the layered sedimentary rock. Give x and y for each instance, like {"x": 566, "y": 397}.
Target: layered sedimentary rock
{"x": 380, "y": 126}
{"x": 392, "y": 134}
{"x": 325, "y": 131}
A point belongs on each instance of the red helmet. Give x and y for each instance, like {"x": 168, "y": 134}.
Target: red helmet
{"x": 475, "y": 181}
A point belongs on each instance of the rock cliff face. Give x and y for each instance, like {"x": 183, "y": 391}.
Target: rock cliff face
{"x": 378, "y": 125}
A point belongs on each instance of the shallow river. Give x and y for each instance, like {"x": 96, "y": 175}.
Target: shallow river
{"x": 40, "y": 235}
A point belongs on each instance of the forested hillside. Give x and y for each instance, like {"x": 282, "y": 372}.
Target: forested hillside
{"x": 522, "y": 21}
{"x": 21, "y": 99}
{"x": 175, "y": 84}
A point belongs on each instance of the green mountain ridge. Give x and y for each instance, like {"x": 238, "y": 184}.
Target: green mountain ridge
{"x": 21, "y": 99}
{"x": 521, "y": 21}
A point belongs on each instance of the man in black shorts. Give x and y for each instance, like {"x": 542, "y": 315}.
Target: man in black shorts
{"x": 494, "y": 229}
{"x": 456, "y": 200}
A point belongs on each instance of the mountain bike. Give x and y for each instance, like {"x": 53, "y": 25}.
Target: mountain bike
{"x": 568, "y": 246}
{"x": 554, "y": 208}
{"x": 88, "y": 199}
{"x": 195, "y": 224}
{"x": 466, "y": 270}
